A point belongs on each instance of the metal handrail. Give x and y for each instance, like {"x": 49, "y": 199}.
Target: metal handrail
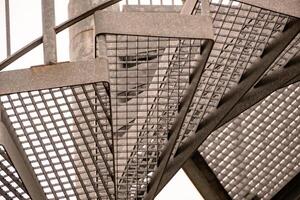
{"x": 57, "y": 29}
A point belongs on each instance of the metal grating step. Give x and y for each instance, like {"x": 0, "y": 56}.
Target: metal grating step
{"x": 149, "y": 75}
{"x": 61, "y": 119}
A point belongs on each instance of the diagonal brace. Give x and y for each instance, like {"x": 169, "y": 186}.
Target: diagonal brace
{"x": 283, "y": 78}
{"x": 229, "y": 101}
{"x": 176, "y": 128}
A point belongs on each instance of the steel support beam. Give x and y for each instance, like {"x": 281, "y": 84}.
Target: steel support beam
{"x": 19, "y": 159}
{"x": 294, "y": 80}
{"x": 288, "y": 7}
{"x": 49, "y": 35}
{"x": 158, "y": 24}
{"x": 204, "y": 178}
{"x": 228, "y": 103}
{"x": 290, "y": 191}
{"x": 176, "y": 128}
{"x": 283, "y": 78}
{"x": 52, "y": 76}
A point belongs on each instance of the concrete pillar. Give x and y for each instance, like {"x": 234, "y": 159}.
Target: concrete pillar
{"x": 82, "y": 34}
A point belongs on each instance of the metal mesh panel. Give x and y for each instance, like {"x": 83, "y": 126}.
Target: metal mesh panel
{"x": 11, "y": 186}
{"x": 148, "y": 78}
{"x": 242, "y": 32}
{"x": 66, "y": 135}
{"x": 258, "y": 152}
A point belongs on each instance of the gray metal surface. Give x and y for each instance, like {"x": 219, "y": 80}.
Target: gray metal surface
{"x": 153, "y": 24}
{"x": 152, "y": 8}
{"x": 51, "y": 76}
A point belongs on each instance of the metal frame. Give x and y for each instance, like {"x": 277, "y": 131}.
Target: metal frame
{"x": 46, "y": 77}
{"x": 227, "y": 104}
{"x": 153, "y": 24}
{"x": 56, "y": 75}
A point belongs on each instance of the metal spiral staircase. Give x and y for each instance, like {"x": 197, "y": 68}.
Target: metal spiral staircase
{"x": 211, "y": 87}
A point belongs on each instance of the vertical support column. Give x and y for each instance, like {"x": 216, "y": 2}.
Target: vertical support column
{"x": 82, "y": 37}
{"x": 49, "y": 35}
{"x": 19, "y": 160}
{"x": 7, "y": 22}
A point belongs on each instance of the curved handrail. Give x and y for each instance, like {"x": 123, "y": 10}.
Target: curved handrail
{"x": 57, "y": 29}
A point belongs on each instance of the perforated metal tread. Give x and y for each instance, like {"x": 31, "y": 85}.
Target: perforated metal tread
{"x": 66, "y": 135}
{"x": 258, "y": 152}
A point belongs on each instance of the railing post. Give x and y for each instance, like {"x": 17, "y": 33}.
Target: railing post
{"x": 7, "y": 22}
{"x": 49, "y": 35}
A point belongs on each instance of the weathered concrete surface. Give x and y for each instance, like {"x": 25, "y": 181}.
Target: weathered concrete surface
{"x": 82, "y": 33}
